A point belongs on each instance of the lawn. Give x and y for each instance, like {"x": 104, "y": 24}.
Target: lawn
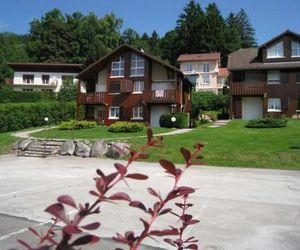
{"x": 92, "y": 133}
{"x": 6, "y": 141}
{"x": 236, "y": 146}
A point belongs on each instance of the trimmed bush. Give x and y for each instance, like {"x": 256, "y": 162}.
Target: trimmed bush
{"x": 267, "y": 123}
{"x": 182, "y": 120}
{"x": 16, "y": 116}
{"x": 126, "y": 127}
{"x": 8, "y": 95}
{"x": 73, "y": 124}
{"x": 213, "y": 115}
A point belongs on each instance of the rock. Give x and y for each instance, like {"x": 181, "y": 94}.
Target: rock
{"x": 118, "y": 149}
{"x": 25, "y": 144}
{"x": 82, "y": 150}
{"x": 99, "y": 149}
{"x": 67, "y": 148}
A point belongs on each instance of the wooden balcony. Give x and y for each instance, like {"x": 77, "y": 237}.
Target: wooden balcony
{"x": 92, "y": 98}
{"x": 161, "y": 96}
{"x": 248, "y": 88}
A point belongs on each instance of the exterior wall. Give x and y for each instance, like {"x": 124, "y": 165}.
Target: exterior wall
{"x": 159, "y": 72}
{"x": 55, "y": 80}
{"x": 101, "y": 85}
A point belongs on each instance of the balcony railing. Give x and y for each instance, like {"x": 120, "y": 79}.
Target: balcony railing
{"x": 248, "y": 88}
{"x": 92, "y": 98}
{"x": 161, "y": 96}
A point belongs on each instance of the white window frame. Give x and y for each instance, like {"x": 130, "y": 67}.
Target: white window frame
{"x": 205, "y": 79}
{"x": 274, "y": 105}
{"x": 29, "y": 80}
{"x": 134, "y": 65}
{"x": 206, "y": 67}
{"x": 189, "y": 67}
{"x": 138, "y": 87}
{"x": 276, "y": 51}
{"x": 140, "y": 113}
{"x": 295, "y": 49}
{"x": 114, "y": 112}
{"x": 117, "y": 67}
{"x": 271, "y": 79}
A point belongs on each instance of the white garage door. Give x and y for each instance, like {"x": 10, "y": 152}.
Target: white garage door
{"x": 252, "y": 107}
{"x": 156, "y": 112}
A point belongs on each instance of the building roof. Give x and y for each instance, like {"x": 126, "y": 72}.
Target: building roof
{"x": 223, "y": 72}
{"x": 94, "y": 68}
{"x": 46, "y": 67}
{"x": 199, "y": 57}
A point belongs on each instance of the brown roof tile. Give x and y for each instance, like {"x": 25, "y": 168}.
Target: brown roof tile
{"x": 199, "y": 57}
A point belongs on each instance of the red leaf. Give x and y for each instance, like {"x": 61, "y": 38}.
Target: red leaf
{"x": 120, "y": 196}
{"x": 168, "y": 166}
{"x": 137, "y": 204}
{"x": 91, "y": 226}
{"x": 153, "y": 192}
{"x": 101, "y": 184}
{"x": 170, "y": 241}
{"x": 25, "y": 244}
{"x": 143, "y": 156}
{"x": 71, "y": 229}
{"x": 34, "y": 232}
{"x": 92, "y": 192}
{"x": 137, "y": 176}
{"x": 191, "y": 222}
{"x": 87, "y": 239}
{"x": 66, "y": 199}
{"x": 120, "y": 238}
{"x": 58, "y": 211}
{"x": 192, "y": 246}
{"x": 111, "y": 177}
{"x": 99, "y": 172}
{"x": 186, "y": 217}
{"x": 173, "y": 231}
{"x": 199, "y": 146}
{"x": 186, "y": 154}
{"x": 165, "y": 211}
{"x": 149, "y": 134}
{"x": 185, "y": 190}
{"x": 121, "y": 169}
{"x": 146, "y": 224}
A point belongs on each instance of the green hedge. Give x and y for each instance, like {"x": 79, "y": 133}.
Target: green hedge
{"x": 182, "y": 120}
{"x": 267, "y": 123}
{"x": 24, "y": 115}
{"x": 8, "y": 95}
{"x": 126, "y": 127}
{"x": 73, "y": 124}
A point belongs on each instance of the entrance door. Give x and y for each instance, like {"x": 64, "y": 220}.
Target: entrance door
{"x": 156, "y": 112}
{"x": 252, "y": 107}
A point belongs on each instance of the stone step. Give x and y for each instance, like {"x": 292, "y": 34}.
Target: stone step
{"x": 33, "y": 154}
{"x": 41, "y": 149}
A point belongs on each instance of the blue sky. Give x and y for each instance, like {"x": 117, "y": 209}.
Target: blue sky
{"x": 268, "y": 17}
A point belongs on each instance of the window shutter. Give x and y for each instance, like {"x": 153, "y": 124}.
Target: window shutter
{"x": 284, "y": 77}
{"x": 298, "y": 77}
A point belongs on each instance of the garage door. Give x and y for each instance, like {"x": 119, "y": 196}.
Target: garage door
{"x": 252, "y": 107}
{"x": 156, "y": 112}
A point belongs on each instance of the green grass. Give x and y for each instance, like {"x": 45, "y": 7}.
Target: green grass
{"x": 6, "y": 141}
{"x": 237, "y": 146}
{"x": 92, "y": 133}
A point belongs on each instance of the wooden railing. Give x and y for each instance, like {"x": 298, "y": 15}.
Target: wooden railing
{"x": 161, "y": 96}
{"x": 92, "y": 98}
{"x": 248, "y": 88}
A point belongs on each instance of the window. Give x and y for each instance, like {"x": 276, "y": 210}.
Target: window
{"x": 137, "y": 65}
{"x": 47, "y": 90}
{"x": 114, "y": 112}
{"x": 298, "y": 77}
{"x": 205, "y": 67}
{"x": 295, "y": 49}
{"x": 298, "y": 104}
{"x": 273, "y": 77}
{"x": 138, "y": 86}
{"x": 189, "y": 67}
{"x": 28, "y": 78}
{"x": 205, "y": 79}
{"x": 275, "y": 51}
{"x": 274, "y": 105}
{"x": 138, "y": 113}
{"x": 117, "y": 67}
{"x": 115, "y": 87}
{"x": 27, "y": 90}
{"x": 45, "y": 79}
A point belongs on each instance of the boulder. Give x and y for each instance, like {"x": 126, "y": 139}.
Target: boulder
{"x": 25, "y": 144}
{"x": 118, "y": 149}
{"x": 82, "y": 149}
{"x": 99, "y": 149}
{"x": 67, "y": 148}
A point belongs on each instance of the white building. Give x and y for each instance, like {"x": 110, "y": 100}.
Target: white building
{"x": 42, "y": 76}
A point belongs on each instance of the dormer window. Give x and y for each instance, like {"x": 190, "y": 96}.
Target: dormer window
{"x": 275, "y": 51}
{"x": 137, "y": 65}
{"x": 295, "y": 49}
{"x": 117, "y": 67}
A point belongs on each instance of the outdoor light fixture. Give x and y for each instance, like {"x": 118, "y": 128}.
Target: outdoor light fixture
{"x": 173, "y": 120}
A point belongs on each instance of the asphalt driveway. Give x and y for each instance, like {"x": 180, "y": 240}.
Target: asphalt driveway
{"x": 238, "y": 208}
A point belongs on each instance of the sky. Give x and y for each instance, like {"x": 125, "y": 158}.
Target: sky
{"x": 268, "y": 17}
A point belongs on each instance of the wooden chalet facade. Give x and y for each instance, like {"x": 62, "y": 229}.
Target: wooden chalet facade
{"x": 130, "y": 85}
{"x": 266, "y": 80}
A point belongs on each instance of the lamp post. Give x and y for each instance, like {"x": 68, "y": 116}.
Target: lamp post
{"x": 47, "y": 121}
{"x": 173, "y": 120}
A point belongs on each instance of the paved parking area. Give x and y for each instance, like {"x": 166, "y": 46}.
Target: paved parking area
{"x": 238, "y": 208}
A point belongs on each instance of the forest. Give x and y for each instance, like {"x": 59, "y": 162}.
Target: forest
{"x": 76, "y": 38}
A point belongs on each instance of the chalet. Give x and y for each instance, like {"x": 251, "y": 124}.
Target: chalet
{"x": 42, "y": 76}
{"x": 266, "y": 80}
{"x": 131, "y": 85}
{"x": 204, "y": 68}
